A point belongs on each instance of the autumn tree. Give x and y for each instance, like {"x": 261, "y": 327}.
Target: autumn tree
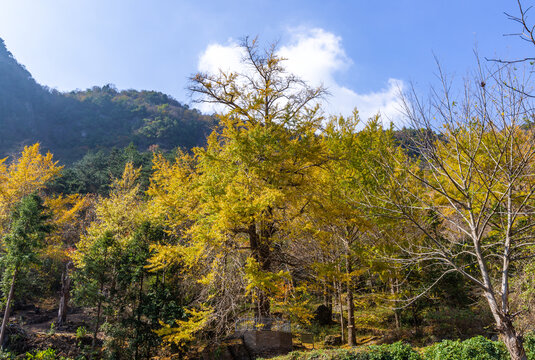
{"x": 471, "y": 196}
{"x": 22, "y": 176}
{"x": 27, "y": 231}
{"x": 233, "y": 199}
{"x": 71, "y": 214}
{"x": 98, "y": 253}
{"x": 111, "y": 273}
{"x": 342, "y": 222}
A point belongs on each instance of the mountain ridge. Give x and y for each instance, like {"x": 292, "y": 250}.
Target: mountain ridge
{"x": 69, "y": 124}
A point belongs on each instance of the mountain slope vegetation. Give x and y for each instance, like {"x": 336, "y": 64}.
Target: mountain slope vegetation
{"x": 101, "y": 118}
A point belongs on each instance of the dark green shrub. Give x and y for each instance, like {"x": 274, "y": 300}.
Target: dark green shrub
{"x": 334, "y": 354}
{"x": 396, "y": 351}
{"x": 476, "y": 348}
{"x": 529, "y": 345}
{"x": 444, "y": 350}
{"x": 326, "y": 354}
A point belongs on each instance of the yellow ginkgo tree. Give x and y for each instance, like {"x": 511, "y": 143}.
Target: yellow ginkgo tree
{"x": 24, "y": 175}
{"x": 232, "y": 201}
{"x": 70, "y": 216}
{"x": 100, "y": 251}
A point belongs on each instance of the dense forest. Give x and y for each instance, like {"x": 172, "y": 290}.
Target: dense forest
{"x": 100, "y": 118}
{"x": 173, "y": 235}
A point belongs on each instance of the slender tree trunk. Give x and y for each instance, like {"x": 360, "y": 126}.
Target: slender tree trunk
{"x": 97, "y": 324}
{"x": 64, "y": 295}
{"x": 342, "y": 322}
{"x": 393, "y": 290}
{"x": 508, "y": 334}
{"x": 350, "y": 305}
{"x": 140, "y": 294}
{"x": 7, "y": 312}
{"x": 330, "y": 297}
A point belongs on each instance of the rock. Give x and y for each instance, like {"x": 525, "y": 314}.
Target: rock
{"x": 333, "y": 340}
{"x": 323, "y": 315}
{"x": 16, "y": 339}
{"x": 232, "y": 348}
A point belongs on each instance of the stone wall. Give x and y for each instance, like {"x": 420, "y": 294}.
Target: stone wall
{"x": 250, "y": 344}
{"x": 267, "y": 342}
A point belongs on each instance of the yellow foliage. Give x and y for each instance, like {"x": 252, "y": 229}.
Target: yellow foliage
{"x": 185, "y": 330}
{"x": 121, "y": 213}
{"x": 267, "y": 282}
{"x": 66, "y": 210}
{"x": 295, "y": 303}
{"x": 232, "y": 203}
{"x": 171, "y": 190}
{"x": 27, "y": 174}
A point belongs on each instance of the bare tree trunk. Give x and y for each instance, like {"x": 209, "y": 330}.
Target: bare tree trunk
{"x": 350, "y": 319}
{"x": 504, "y": 323}
{"x": 393, "y": 290}
{"x": 341, "y": 310}
{"x": 508, "y": 333}
{"x": 7, "y": 312}
{"x": 138, "y": 324}
{"x": 97, "y": 324}
{"x": 512, "y": 341}
{"x": 64, "y": 295}
{"x": 350, "y": 305}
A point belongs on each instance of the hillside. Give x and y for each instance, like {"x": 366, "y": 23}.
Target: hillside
{"x": 100, "y": 118}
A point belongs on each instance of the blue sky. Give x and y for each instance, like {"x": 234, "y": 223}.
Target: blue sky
{"x": 361, "y": 49}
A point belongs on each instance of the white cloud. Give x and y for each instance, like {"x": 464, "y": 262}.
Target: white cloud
{"x": 316, "y": 56}
{"x": 218, "y": 57}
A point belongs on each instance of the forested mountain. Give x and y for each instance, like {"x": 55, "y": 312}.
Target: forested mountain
{"x": 100, "y": 118}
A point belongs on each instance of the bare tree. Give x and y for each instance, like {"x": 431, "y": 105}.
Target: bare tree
{"x": 471, "y": 196}
{"x": 527, "y": 32}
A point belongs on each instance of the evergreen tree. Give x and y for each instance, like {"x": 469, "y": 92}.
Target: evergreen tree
{"x": 25, "y": 238}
